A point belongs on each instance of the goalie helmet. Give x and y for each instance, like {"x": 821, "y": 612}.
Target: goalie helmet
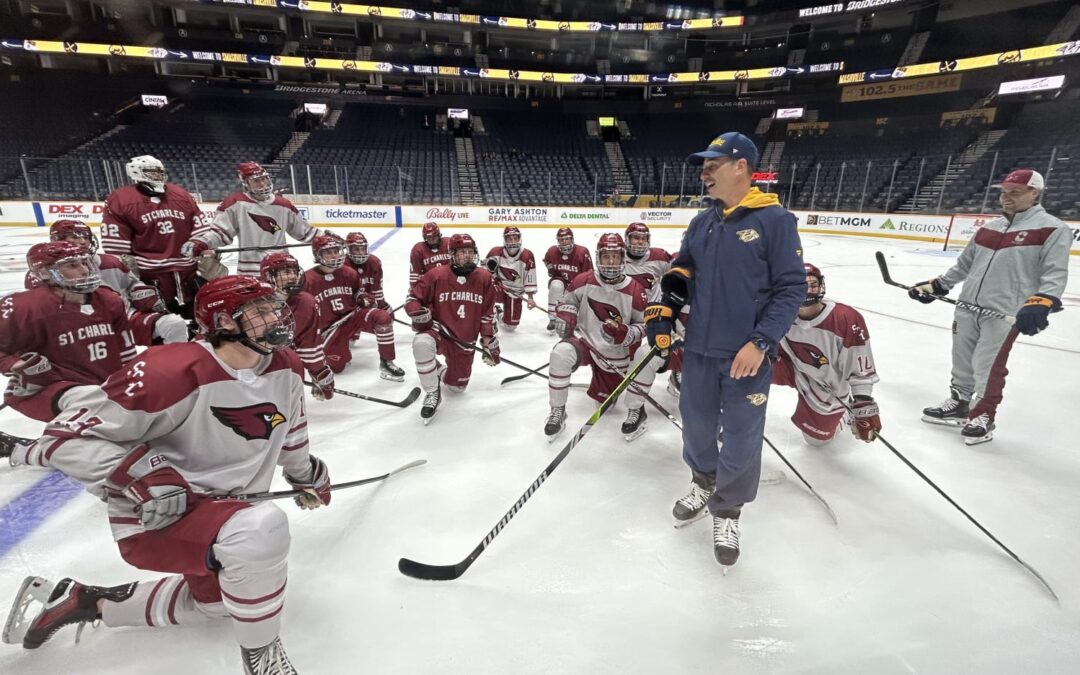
{"x": 565, "y": 240}
{"x": 148, "y": 172}
{"x": 610, "y": 244}
{"x": 271, "y": 268}
{"x": 431, "y": 234}
{"x": 65, "y": 265}
{"x": 357, "y": 246}
{"x": 328, "y": 250}
{"x": 463, "y": 254}
{"x": 511, "y": 240}
{"x": 266, "y": 323}
{"x": 67, "y": 229}
{"x": 638, "y": 240}
{"x": 256, "y": 181}
{"x": 814, "y": 278}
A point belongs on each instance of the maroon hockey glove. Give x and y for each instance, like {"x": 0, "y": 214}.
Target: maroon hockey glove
{"x": 491, "y": 350}
{"x": 160, "y": 494}
{"x": 867, "y": 422}
{"x": 421, "y": 320}
{"x": 365, "y": 300}
{"x": 316, "y": 487}
{"x": 193, "y": 248}
{"x": 33, "y": 370}
{"x": 145, "y": 298}
{"x": 615, "y": 332}
{"x": 565, "y": 321}
{"x": 322, "y": 385}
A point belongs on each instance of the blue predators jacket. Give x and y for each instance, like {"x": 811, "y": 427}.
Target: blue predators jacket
{"x": 747, "y": 277}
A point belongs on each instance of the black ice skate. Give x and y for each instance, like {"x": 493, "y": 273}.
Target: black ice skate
{"x": 388, "y": 370}
{"x": 69, "y": 602}
{"x": 556, "y": 422}
{"x": 634, "y": 425}
{"x": 692, "y": 506}
{"x": 431, "y": 405}
{"x": 8, "y": 443}
{"x": 674, "y": 384}
{"x": 268, "y": 660}
{"x": 953, "y": 411}
{"x": 725, "y": 533}
{"x": 978, "y": 430}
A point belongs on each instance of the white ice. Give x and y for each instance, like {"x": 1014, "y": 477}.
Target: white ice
{"x": 591, "y": 577}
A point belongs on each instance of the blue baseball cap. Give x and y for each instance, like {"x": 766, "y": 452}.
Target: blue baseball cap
{"x": 732, "y": 144}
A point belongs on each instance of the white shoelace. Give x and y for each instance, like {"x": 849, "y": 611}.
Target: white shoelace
{"x": 726, "y": 532}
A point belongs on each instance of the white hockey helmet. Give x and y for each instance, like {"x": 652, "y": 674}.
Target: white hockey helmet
{"x": 148, "y": 172}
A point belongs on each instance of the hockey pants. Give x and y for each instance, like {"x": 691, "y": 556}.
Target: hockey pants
{"x": 980, "y": 352}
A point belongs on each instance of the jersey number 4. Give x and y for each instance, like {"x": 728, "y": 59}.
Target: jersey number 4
{"x": 461, "y": 311}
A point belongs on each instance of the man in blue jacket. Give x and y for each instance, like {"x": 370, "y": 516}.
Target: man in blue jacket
{"x": 741, "y": 267}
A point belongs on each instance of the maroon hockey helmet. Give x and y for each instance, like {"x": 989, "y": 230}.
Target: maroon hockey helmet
{"x": 431, "y": 234}
{"x": 638, "y": 230}
{"x": 512, "y": 239}
{"x": 264, "y": 328}
{"x": 65, "y": 229}
{"x": 565, "y": 240}
{"x": 256, "y": 181}
{"x": 274, "y": 264}
{"x": 328, "y": 250}
{"x": 357, "y": 247}
{"x": 63, "y": 264}
{"x": 610, "y": 243}
{"x": 813, "y": 297}
{"x": 466, "y": 262}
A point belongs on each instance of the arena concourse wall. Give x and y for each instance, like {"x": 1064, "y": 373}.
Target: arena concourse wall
{"x": 953, "y": 229}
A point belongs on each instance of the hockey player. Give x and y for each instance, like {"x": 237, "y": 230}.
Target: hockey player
{"x": 148, "y": 317}
{"x": 1016, "y": 264}
{"x": 368, "y": 266}
{"x": 164, "y": 442}
{"x": 433, "y": 250}
{"x": 66, "y": 332}
{"x": 282, "y": 271}
{"x": 146, "y": 224}
{"x": 826, "y": 354}
{"x": 345, "y": 309}
{"x": 605, "y": 306}
{"x": 448, "y": 303}
{"x": 255, "y": 217}
{"x": 514, "y": 271}
{"x": 646, "y": 264}
{"x": 564, "y": 261}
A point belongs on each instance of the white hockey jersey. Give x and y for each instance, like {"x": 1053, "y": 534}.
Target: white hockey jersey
{"x": 222, "y": 429}
{"x": 830, "y": 354}
{"x": 597, "y": 303}
{"x": 648, "y": 269}
{"x": 517, "y": 273}
{"x": 254, "y": 223}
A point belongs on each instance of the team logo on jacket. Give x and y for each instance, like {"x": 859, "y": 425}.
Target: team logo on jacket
{"x": 748, "y": 235}
{"x": 266, "y": 223}
{"x": 757, "y": 399}
{"x": 605, "y": 312}
{"x": 808, "y": 354}
{"x": 508, "y": 273}
{"x": 251, "y": 422}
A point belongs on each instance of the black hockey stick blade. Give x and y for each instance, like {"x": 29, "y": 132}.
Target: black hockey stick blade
{"x": 284, "y": 494}
{"x": 403, "y": 403}
{"x": 828, "y": 509}
{"x": 515, "y": 378}
{"x": 884, "y": 267}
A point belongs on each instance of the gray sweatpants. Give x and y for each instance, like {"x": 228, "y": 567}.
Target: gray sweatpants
{"x": 980, "y": 352}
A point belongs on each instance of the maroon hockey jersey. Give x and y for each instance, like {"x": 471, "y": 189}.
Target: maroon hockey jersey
{"x": 307, "y": 338}
{"x": 371, "y": 278}
{"x": 422, "y": 259}
{"x": 566, "y": 267}
{"x": 464, "y": 306}
{"x": 151, "y": 228}
{"x": 334, "y": 293}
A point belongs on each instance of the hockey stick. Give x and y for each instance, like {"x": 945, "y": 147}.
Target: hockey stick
{"x": 468, "y": 345}
{"x": 418, "y": 570}
{"x": 403, "y": 403}
{"x": 967, "y": 515}
{"x": 515, "y": 378}
{"x": 634, "y": 386}
{"x": 805, "y": 482}
{"x": 284, "y": 494}
{"x": 971, "y": 307}
{"x": 260, "y": 248}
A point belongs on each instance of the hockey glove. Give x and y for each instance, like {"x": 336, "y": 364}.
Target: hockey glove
{"x": 210, "y": 267}
{"x": 421, "y": 320}
{"x": 365, "y": 300}
{"x": 867, "y": 422}
{"x": 925, "y": 291}
{"x": 193, "y": 248}
{"x": 615, "y": 332}
{"x": 322, "y": 385}
{"x": 160, "y": 494}
{"x": 316, "y": 486}
{"x": 131, "y": 263}
{"x": 1032, "y": 317}
{"x": 33, "y": 370}
{"x": 565, "y": 321}
{"x": 491, "y": 350}
{"x": 492, "y": 264}
{"x": 659, "y": 325}
{"x": 145, "y": 298}
{"x": 675, "y": 286}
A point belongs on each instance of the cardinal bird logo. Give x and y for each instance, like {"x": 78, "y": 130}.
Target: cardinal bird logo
{"x": 251, "y": 422}
{"x": 508, "y": 273}
{"x": 266, "y": 223}
{"x": 605, "y": 312}
{"x": 808, "y": 354}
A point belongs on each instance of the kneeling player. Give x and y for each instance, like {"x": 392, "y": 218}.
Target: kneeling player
{"x": 449, "y": 305}
{"x": 826, "y": 354}
{"x": 564, "y": 261}
{"x": 514, "y": 270}
{"x": 165, "y": 442}
{"x": 605, "y": 308}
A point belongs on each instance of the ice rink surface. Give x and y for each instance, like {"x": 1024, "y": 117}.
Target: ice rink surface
{"x": 591, "y": 577}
